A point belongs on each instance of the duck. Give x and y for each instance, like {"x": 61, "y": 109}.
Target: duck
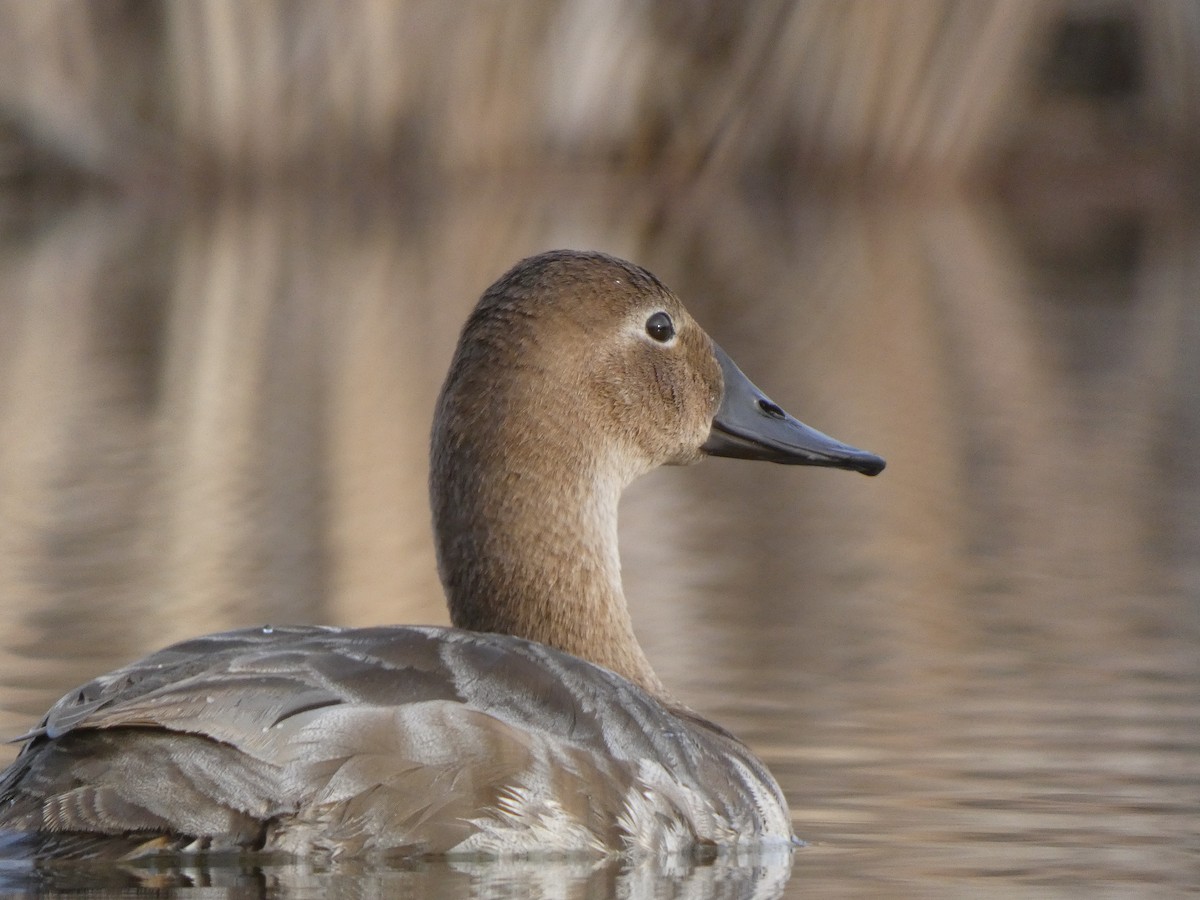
{"x": 534, "y": 724}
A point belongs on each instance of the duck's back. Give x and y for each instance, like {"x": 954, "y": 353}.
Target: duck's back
{"x": 405, "y": 740}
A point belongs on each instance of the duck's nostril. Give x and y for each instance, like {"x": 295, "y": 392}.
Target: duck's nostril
{"x": 771, "y": 409}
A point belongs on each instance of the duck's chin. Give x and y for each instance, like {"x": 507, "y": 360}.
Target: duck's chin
{"x": 687, "y": 456}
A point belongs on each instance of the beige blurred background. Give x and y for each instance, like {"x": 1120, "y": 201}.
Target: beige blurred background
{"x": 237, "y": 241}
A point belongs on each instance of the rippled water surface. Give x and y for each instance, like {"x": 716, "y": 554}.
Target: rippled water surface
{"x": 975, "y": 675}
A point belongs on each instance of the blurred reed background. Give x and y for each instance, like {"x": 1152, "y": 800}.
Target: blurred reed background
{"x": 237, "y": 241}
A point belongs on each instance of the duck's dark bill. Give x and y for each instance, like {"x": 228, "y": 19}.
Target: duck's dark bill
{"x": 749, "y": 426}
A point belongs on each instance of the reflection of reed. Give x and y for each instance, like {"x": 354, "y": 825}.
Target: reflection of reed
{"x": 227, "y": 424}
{"x": 73, "y": 455}
{"x": 236, "y": 437}
{"x": 1173, "y": 283}
{"x": 1066, "y": 448}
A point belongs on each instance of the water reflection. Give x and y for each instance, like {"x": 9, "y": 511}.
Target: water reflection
{"x": 979, "y": 665}
{"x": 760, "y": 878}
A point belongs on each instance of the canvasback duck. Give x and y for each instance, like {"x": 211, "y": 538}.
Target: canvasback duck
{"x": 536, "y": 723}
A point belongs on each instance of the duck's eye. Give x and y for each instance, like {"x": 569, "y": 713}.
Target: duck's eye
{"x": 660, "y": 327}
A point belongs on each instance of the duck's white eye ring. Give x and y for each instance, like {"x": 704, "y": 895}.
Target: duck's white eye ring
{"x": 660, "y": 327}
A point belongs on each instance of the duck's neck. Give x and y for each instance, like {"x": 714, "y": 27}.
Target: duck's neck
{"x": 527, "y": 545}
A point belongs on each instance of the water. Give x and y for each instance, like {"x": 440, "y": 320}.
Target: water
{"x": 976, "y": 674}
